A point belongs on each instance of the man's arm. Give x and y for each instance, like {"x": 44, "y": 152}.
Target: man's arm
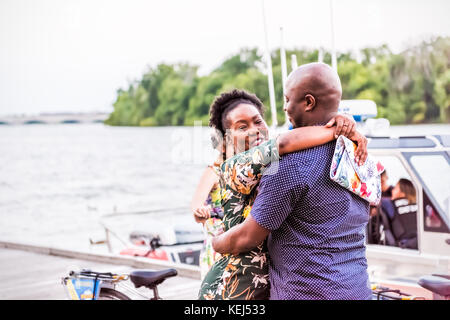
{"x": 279, "y": 188}
{"x": 240, "y": 238}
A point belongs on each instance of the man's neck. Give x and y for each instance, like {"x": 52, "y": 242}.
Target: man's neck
{"x": 318, "y": 121}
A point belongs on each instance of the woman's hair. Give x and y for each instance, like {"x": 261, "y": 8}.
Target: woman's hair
{"x": 408, "y": 189}
{"x": 226, "y": 102}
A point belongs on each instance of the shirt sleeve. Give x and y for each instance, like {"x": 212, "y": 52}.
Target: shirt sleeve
{"x": 243, "y": 171}
{"x": 279, "y": 190}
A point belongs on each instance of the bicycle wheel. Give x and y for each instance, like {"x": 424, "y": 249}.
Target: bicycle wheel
{"x": 111, "y": 294}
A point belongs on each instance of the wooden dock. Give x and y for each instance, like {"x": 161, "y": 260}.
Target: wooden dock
{"x": 26, "y": 274}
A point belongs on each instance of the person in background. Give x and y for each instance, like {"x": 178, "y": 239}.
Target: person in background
{"x": 207, "y": 209}
{"x": 374, "y": 226}
{"x": 386, "y": 189}
{"x": 401, "y": 210}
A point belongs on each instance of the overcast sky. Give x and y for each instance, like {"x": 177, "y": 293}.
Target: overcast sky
{"x": 61, "y": 55}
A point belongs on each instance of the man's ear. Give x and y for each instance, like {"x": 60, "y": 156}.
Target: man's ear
{"x": 310, "y": 102}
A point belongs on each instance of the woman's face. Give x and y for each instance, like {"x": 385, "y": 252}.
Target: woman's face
{"x": 397, "y": 193}
{"x": 246, "y": 128}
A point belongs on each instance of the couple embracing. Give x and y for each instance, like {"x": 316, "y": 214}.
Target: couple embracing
{"x": 286, "y": 230}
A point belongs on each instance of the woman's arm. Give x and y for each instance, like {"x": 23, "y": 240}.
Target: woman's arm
{"x": 307, "y": 137}
{"x": 304, "y": 138}
{"x": 208, "y": 179}
{"x": 242, "y": 172}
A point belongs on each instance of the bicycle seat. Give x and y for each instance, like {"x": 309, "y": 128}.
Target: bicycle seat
{"x": 436, "y": 284}
{"x": 149, "y": 278}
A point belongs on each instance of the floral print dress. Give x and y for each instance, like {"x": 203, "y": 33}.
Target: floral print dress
{"x": 242, "y": 276}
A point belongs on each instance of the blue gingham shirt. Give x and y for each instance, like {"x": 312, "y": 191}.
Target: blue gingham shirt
{"x": 317, "y": 240}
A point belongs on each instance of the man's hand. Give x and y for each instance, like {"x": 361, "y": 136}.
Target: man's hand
{"x": 240, "y": 238}
{"x": 345, "y": 125}
{"x": 218, "y": 245}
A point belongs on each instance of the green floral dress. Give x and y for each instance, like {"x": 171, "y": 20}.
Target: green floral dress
{"x": 243, "y": 276}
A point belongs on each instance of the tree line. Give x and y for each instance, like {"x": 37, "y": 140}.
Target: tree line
{"x": 409, "y": 87}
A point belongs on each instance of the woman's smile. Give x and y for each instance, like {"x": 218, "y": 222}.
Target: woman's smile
{"x": 256, "y": 142}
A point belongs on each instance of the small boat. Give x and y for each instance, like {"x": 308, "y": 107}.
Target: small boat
{"x": 163, "y": 234}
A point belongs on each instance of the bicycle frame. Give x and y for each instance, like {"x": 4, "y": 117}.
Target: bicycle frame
{"x": 385, "y": 293}
{"x": 82, "y": 285}
{"x": 86, "y": 284}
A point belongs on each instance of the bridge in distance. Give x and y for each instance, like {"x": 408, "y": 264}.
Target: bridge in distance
{"x": 54, "y": 118}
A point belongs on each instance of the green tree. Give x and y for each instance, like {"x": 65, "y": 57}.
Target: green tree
{"x": 409, "y": 87}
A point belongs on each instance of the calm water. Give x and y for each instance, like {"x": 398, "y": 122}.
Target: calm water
{"x": 57, "y": 180}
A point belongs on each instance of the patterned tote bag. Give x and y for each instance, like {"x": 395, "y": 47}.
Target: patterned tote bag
{"x": 362, "y": 180}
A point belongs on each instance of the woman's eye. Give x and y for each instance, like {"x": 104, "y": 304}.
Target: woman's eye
{"x": 242, "y": 127}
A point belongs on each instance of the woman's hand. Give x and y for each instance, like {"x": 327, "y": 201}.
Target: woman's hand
{"x": 361, "y": 150}
{"x": 201, "y": 214}
{"x": 345, "y": 125}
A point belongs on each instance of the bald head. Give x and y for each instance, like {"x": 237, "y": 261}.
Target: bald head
{"x": 313, "y": 93}
{"x": 318, "y": 79}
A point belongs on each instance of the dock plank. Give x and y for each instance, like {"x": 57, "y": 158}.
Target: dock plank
{"x": 28, "y": 275}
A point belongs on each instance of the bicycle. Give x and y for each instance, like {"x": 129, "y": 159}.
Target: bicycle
{"x": 438, "y": 284}
{"x": 91, "y": 285}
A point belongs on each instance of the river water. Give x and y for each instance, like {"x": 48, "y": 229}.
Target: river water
{"x": 56, "y": 181}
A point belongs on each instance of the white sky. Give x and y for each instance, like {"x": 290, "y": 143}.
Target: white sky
{"x": 61, "y": 55}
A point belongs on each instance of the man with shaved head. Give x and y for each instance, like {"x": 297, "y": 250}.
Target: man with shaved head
{"x": 313, "y": 93}
{"x": 315, "y": 227}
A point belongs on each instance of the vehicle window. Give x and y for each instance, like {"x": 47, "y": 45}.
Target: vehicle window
{"x": 434, "y": 171}
{"x": 432, "y": 219}
{"x": 385, "y": 226}
{"x": 394, "y": 169}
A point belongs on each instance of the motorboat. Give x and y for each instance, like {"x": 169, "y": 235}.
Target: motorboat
{"x": 164, "y": 234}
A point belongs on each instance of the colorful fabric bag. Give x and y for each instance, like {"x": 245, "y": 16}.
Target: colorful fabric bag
{"x": 362, "y": 180}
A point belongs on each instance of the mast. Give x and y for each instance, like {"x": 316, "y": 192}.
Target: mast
{"x": 320, "y": 55}
{"x": 283, "y": 72}
{"x": 269, "y": 72}
{"x": 294, "y": 62}
{"x": 283, "y": 59}
{"x": 333, "y": 48}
